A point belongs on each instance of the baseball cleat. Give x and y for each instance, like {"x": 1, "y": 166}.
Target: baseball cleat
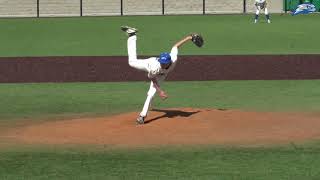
{"x": 129, "y": 30}
{"x": 140, "y": 120}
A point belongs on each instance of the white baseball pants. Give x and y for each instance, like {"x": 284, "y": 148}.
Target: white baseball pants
{"x": 132, "y": 55}
{"x": 140, "y": 64}
{"x": 259, "y": 9}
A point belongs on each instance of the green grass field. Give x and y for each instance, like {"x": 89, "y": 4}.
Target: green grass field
{"x": 58, "y": 100}
{"x": 294, "y": 163}
{"x": 100, "y": 36}
{"x": 24, "y": 102}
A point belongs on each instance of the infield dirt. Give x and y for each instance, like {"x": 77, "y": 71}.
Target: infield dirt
{"x": 177, "y": 126}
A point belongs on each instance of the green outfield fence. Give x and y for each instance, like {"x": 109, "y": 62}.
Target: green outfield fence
{"x": 290, "y": 5}
{"x": 62, "y": 8}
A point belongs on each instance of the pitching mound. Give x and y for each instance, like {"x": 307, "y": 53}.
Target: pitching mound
{"x": 175, "y": 126}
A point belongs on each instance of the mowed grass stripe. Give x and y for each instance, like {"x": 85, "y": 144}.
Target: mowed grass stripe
{"x": 101, "y": 36}
{"x": 294, "y": 162}
{"x": 58, "y": 100}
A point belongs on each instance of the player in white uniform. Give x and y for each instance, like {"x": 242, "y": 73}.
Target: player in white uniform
{"x": 261, "y": 5}
{"x": 156, "y": 67}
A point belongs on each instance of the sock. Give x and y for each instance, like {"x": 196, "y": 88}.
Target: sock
{"x": 256, "y": 18}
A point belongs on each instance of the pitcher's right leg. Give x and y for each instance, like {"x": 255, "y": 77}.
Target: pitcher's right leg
{"x": 152, "y": 91}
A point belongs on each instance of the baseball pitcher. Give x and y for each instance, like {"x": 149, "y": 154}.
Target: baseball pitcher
{"x": 261, "y": 5}
{"x": 157, "y": 68}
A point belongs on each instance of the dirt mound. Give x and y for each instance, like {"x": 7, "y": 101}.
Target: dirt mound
{"x": 175, "y": 126}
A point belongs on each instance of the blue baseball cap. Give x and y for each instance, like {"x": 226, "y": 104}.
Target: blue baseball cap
{"x": 165, "y": 58}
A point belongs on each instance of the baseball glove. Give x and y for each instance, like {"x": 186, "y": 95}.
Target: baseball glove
{"x": 197, "y": 39}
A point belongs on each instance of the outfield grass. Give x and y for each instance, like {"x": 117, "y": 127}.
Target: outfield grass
{"x": 101, "y": 36}
{"x": 291, "y": 162}
{"x": 58, "y": 100}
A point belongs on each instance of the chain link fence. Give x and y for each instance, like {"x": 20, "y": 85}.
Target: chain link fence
{"x": 49, "y": 8}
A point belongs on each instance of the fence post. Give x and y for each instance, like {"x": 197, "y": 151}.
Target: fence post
{"x": 80, "y": 8}
{"x": 38, "y": 8}
{"x": 162, "y": 7}
{"x": 285, "y": 6}
{"x": 121, "y": 7}
{"x": 204, "y": 7}
{"x": 244, "y": 6}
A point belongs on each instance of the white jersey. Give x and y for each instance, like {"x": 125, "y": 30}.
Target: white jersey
{"x": 260, "y": 4}
{"x": 154, "y": 67}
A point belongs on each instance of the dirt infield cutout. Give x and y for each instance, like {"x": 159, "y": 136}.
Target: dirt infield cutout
{"x": 174, "y": 127}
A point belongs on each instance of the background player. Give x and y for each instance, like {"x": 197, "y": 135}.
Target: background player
{"x": 261, "y": 5}
{"x": 156, "y": 67}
